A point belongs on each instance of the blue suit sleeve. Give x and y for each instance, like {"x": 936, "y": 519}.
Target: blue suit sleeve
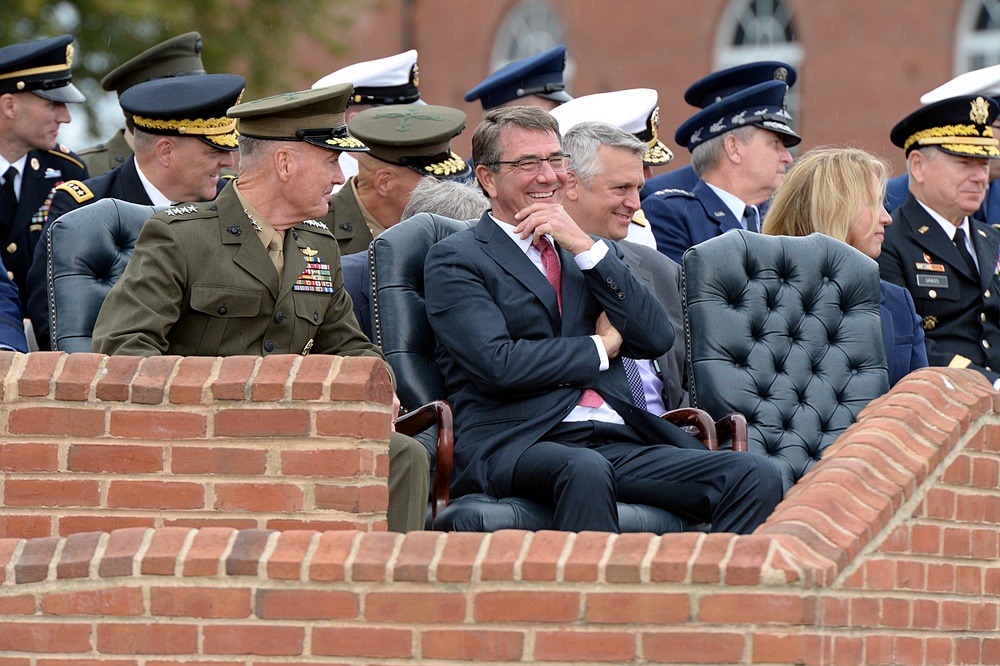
{"x": 669, "y": 229}
{"x": 11, "y": 315}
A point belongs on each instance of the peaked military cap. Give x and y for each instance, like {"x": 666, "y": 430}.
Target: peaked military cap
{"x": 957, "y": 125}
{"x": 719, "y": 85}
{"x": 187, "y": 106}
{"x": 313, "y": 116}
{"x": 985, "y": 81}
{"x": 634, "y": 111}
{"x": 540, "y": 74}
{"x": 762, "y": 105}
{"x": 418, "y": 137}
{"x": 391, "y": 80}
{"x": 177, "y": 56}
{"x": 42, "y": 67}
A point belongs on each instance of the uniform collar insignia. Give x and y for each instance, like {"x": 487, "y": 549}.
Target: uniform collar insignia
{"x": 181, "y": 210}
{"x": 316, "y": 223}
{"x": 924, "y": 229}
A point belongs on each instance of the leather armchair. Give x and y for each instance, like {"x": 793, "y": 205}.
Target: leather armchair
{"x": 785, "y": 330}
{"x": 401, "y": 329}
{"x": 87, "y": 250}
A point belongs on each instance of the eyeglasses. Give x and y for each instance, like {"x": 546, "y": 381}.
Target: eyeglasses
{"x": 534, "y": 164}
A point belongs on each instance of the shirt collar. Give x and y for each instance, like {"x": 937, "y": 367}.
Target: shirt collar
{"x": 733, "y": 202}
{"x": 946, "y": 226}
{"x": 523, "y": 243}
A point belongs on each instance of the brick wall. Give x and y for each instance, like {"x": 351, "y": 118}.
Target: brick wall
{"x": 92, "y": 443}
{"x": 886, "y": 554}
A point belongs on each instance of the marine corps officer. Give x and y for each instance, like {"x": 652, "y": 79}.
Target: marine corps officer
{"x": 253, "y": 272}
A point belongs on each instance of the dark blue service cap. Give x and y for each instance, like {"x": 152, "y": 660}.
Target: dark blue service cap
{"x": 540, "y": 75}
{"x": 762, "y": 105}
{"x": 42, "y": 67}
{"x": 719, "y": 85}
{"x": 958, "y": 125}
{"x": 187, "y": 106}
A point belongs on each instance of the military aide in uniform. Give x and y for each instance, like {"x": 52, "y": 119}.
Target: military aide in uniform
{"x": 183, "y": 142}
{"x": 35, "y": 86}
{"x": 948, "y": 260}
{"x": 177, "y": 56}
{"x": 253, "y": 272}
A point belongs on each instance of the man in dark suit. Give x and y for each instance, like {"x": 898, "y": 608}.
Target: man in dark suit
{"x": 35, "y": 87}
{"x": 531, "y": 317}
{"x": 739, "y": 149}
{"x": 602, "y": 195}
{"x": 183, "y": 141}
{"x": 935, "y": 248}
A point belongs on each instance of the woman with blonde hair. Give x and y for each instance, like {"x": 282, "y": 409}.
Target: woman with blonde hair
{"x": 839, "y": 192}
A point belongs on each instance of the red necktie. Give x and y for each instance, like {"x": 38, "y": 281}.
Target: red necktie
{"x": 553, "y": 273}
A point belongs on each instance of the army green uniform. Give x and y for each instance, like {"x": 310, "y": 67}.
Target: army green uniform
{"x": 106, "y": 156}
{"x": 347, "y": 221}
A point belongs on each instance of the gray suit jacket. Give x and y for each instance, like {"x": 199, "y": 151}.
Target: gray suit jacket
{"x": 662, "y": 276}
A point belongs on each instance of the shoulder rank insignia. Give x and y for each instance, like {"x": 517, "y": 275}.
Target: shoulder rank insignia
{"x": 673, "y": 192}
{"x": 640, "y": 218}
{"x": 77, "y": 190}
{"x": 64, "y": 155}
{"x": 316, "y": 223}
{"x": 981, "y": 233}
{"x": 181, "y": 210}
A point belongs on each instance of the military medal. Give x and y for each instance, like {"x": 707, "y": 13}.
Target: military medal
{"x": 317, "y": 276}
{"x": 937, "y": 268}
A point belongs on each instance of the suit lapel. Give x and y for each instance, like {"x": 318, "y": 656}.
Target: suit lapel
{"x": 715, "y": 209}
{"x": 986, "y": 255}
{"x": 251, "y": 255}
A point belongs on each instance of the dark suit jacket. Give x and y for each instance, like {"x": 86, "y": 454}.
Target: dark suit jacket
{"x": 902, "y": 332}
{"x": 513, "y": 366}
{"x": 358, "y": 287}
{"x": 681, "y": 219}
{"x": 663, "y": 278}
{"x": 960, "y": 311}
{"x": 682, "y": 178}
{"x": 346, "y": 221}
{"x": 44, "y": 170}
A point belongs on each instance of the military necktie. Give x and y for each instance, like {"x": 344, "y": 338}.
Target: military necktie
{"x": 274, "y": 251}
{"x": 750, "y": 218}
{"x": 963, "y": 251}
{"x": 9, "y": 204}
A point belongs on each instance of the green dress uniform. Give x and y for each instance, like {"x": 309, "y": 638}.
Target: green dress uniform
{"x": 347, "y": 221}
{"x": 106, "y": 156}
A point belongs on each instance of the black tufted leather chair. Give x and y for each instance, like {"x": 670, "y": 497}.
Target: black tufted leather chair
{"x": 396, "y": 262}
{"x": 787, "y": 331}
{"x": 87, "y": 250}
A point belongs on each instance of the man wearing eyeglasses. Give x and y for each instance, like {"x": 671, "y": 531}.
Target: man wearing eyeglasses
{"x": 532, "y": 316}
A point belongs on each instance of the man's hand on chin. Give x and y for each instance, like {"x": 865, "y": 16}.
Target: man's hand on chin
{"x": 549, "y": 218}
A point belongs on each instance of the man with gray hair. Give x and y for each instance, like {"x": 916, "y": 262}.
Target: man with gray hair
{"x": 602, "y": 195}
{"x": 448, "y": 198}
{"x": 739, "y": 150}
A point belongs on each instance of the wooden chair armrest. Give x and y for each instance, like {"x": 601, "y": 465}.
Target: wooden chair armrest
{"x": 734, "y": 426}
{"x": 419, "y": 420}
{"x": 697, "y": 422}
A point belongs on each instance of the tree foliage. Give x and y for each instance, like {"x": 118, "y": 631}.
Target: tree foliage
{"x": 256, "y": 38}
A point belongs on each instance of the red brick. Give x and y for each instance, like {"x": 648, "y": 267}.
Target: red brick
{"x": 156, "y": 495}
{"x": 272, "y": 377}
{"x": 472, "y": 645}
{"x": 414, "y": 607}
{"x": 190, "y": 380}
{"x": 23, "y": 604}
{"x": 217, "y": 460}
{"x": 985, "y": 473}
{"x": 39, "y": 369}
{"x": 895, "y": 612}
{"x": 938, "y": 651}
{"x": 336, "y": 422}
{"x": 157, "y": 638}
{"x": 992, "y": 583}
{"x": 115, "y": 457}
{"x": 959, "y": 471}
{"x": 510, "y": 606}
{"x": 627, "y": 554}
{"x": 204, "y": 558}
{"x": 28, "y": 457}
{"x": 707, "y": 564}
{"x": 879, "y": 649}
{"x": 637, "y": 608}
{"x": 940, "y": 577}
{"x": 47, "y": 637}
{"x": 260, "y": 497}
{"x": 360, "y": 499}
{"x": 262, "y": 423}
{"x": 77, "y": 554}
{"x": 983, "y": 617}
{"x": 233, "y": 378}
{"x": 957, "y": 542}
{"x": 161, "y": 556}
{"x": 42, "y": 492}
{"x": 111, "y": 601}
{"x": 584, "y": 646}
{"x": 925, "y": 539}
{"x": 704, "y": 646}
{"x": 415, "y": 556}
{"x": 361, "y": 379}
{"x": 331, "y": 554}
{"x": 135, "y": 424}
{"x": 56, "y": 421}
{"x": 834, "y": 612}
{"x": 307, "y": 605}
{"x": 24, "y": 527}
{"x": 77, "y": 376}
{"x": 120, "y": 552}
{"x": 313, "y": 376}
{"x": 925, "y": 613}
{"x": 284, "y": 525}
{"x": 248, "y": 549}
{"x": 362, "y": 642}
{"x": 968, "y": 580}
{"x": 6, "y": 364}
{"x": 287, "y": 560}
{"x": 116, "y": 384}
{"x": 865, "y": 612}
{"x": 150, "y": 384}
{"x": 673, "y": 559}
{"x": 791, "y": 649}
{"x": 967, "y": 650}
{"x": 91, "y": 523}
{"x": 969, "y": 508}
{"x": 504, "y": 550}
{"x": 200, "y": 602}
{"x": 955, "y": 615}
{"x": 764, "y": 608}
{"x": 984, "y": 544}
{"x": 910, "y": 575}
{"x": 349, "y": 462}
{"x": 461, "y": 551}
{"x": 35, "y": 560}
{"x": 848, "y": 650}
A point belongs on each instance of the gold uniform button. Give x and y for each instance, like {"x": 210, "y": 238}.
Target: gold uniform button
{"x": 12, "y": 248}
{"x": 932, "y": 293}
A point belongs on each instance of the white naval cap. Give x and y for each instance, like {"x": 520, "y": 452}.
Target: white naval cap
{"x": 985, "y": 81}
{"x": 634, "y": 111}
{"x": 391, "y": 80}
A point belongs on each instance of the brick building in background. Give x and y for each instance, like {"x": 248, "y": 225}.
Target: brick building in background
{"x": 862, "y": 65}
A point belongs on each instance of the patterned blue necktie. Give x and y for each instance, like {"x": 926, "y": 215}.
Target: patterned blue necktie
{"x": 634, "y": 382}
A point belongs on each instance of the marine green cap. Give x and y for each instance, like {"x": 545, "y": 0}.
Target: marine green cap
{"x": 418, "y": 137}
{"x": 177, "y": 56}
{"x": 313, "y": 116}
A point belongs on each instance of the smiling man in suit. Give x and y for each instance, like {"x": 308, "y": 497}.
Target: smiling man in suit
{"x": 532, "y": 316}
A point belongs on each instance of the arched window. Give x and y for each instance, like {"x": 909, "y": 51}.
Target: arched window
{"x": 529, "y": 28}
{"x": 977, "y": 38}
{"x": 753, "y": 30}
